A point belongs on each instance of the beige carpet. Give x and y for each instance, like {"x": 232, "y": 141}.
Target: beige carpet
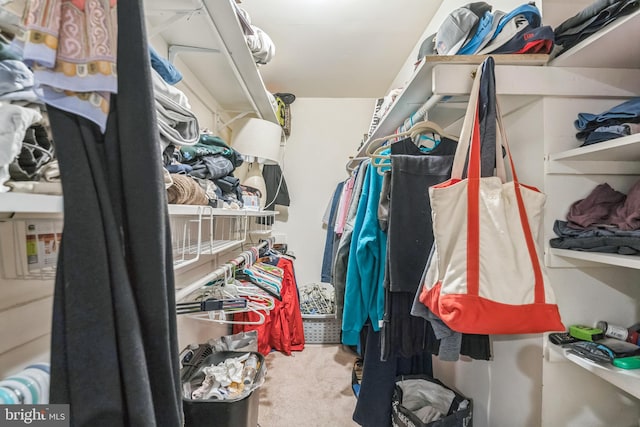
{"x": 311, "y": 388}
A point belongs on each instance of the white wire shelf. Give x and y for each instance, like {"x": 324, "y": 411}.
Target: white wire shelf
{"x": 31, "y": 251}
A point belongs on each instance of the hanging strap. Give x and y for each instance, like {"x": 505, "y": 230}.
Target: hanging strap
{"x": 468, "y": 133}
{"x": 470, "y": 143}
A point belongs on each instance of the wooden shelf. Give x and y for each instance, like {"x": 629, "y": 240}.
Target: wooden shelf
{"x": 623, "y": 149}
{"x": 628, "y": 261}
{"x": 609, "y": 47}
{"x": 227, "y": 70}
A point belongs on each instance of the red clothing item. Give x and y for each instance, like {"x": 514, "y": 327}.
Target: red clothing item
{"x": 283, "y": 329}
{"x": 264, "y": 329}
{"x": 287, "y": 331}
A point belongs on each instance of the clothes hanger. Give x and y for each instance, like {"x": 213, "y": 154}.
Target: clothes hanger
{"x": 381, "y": 157}
{"x": 424, "y": 126}
{"x": 229, "y": 291}
{"x": 260, "y": 283}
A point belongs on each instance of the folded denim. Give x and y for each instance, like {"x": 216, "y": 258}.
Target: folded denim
{"x": 626, "y": 112}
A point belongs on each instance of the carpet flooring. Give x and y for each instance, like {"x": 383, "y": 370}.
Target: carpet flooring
{"x": 311, "y": 388}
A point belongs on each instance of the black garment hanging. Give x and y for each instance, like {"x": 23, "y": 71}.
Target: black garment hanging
{"x": 114, "y": 351}
{"x": 373, "y": 408}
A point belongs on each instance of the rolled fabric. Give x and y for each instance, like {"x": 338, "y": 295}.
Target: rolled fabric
{"x": 186, "y": 191}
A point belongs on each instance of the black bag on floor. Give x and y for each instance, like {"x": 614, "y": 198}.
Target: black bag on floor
{"x": 422, "y": 401}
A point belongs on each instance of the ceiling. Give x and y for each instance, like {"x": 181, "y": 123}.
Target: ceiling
{"x": 338, "y": 48}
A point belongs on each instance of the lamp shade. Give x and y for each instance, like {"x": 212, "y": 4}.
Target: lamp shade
{"x": 258, "y": 141}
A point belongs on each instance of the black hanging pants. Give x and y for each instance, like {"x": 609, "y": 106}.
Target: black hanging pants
{"x": 114, "y": 351}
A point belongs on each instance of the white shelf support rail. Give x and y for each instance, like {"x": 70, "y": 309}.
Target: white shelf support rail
{"x": 228, "y": 54}
{"x": 176, "y": 49}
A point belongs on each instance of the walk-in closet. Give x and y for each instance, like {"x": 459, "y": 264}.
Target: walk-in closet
{"x": 319, "y": 213}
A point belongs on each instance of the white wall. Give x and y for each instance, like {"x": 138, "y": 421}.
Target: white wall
{"x": 324, "y": 133}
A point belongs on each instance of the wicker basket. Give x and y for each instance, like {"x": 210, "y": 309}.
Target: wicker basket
{"x": 321, "y": 328}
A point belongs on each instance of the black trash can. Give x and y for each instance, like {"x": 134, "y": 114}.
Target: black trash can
{"x": 240, "y": 412}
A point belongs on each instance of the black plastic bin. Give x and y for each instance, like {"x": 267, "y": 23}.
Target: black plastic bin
{"x": 241, "y": 412}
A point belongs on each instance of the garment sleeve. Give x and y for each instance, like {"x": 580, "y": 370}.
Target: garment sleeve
{"x": 371, "y": 253}
{"x": 355, "y": 312}
{"x": 364, "y": 297}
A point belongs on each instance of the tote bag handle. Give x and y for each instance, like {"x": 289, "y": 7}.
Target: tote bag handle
{"x": 470, "y": 141}
{"x": 470, "y": 138}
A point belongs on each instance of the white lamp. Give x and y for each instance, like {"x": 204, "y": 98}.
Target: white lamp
{"x": 259, "y": 143}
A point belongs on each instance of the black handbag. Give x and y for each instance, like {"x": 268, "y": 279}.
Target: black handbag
{"x": 459, "y": 414}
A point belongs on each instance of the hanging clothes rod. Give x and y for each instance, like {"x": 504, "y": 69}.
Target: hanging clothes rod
{"x": 420, "y": 113}
{"x": 218, "y": 273}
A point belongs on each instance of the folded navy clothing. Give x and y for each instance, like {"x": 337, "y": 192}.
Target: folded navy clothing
{"x": 584, "y": 16}
{"x": 607, "y": 240}
{"x": 606, "y": 133}
{"x": 595, "y": 137}
{"x": 613, "y": 245}
{"x": 627, "y": 112}
{"x": 592, "y": 19}
{"x": 167, "y": 71}
{"x": 179, "y": 168}
{"x": 563, "y": 230}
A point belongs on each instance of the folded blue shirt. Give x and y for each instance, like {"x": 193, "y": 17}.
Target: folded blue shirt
{"x": 167, "y": 71}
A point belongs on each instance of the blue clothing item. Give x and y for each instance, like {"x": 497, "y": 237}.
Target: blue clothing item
{"x": 179, "y": 168}
{"x": 167, "y": 71}
{"x": 530, "y": 12}
{"x": 364, "y": 293}
{"x": 14, "y": 76}
{"x": 484, "y": 28}
{"x": 628, "y": 111}
{"x": 329, "y": 243}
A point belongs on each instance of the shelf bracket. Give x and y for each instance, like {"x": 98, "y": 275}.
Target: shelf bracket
{"x": 233, "y": 119}
{"x": 176, "y": 49}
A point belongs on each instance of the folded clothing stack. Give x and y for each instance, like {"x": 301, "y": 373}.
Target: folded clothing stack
{"x": 591, "y": 19}
{"x": 620, "y": 120}
{"x": 604, "y": 221}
